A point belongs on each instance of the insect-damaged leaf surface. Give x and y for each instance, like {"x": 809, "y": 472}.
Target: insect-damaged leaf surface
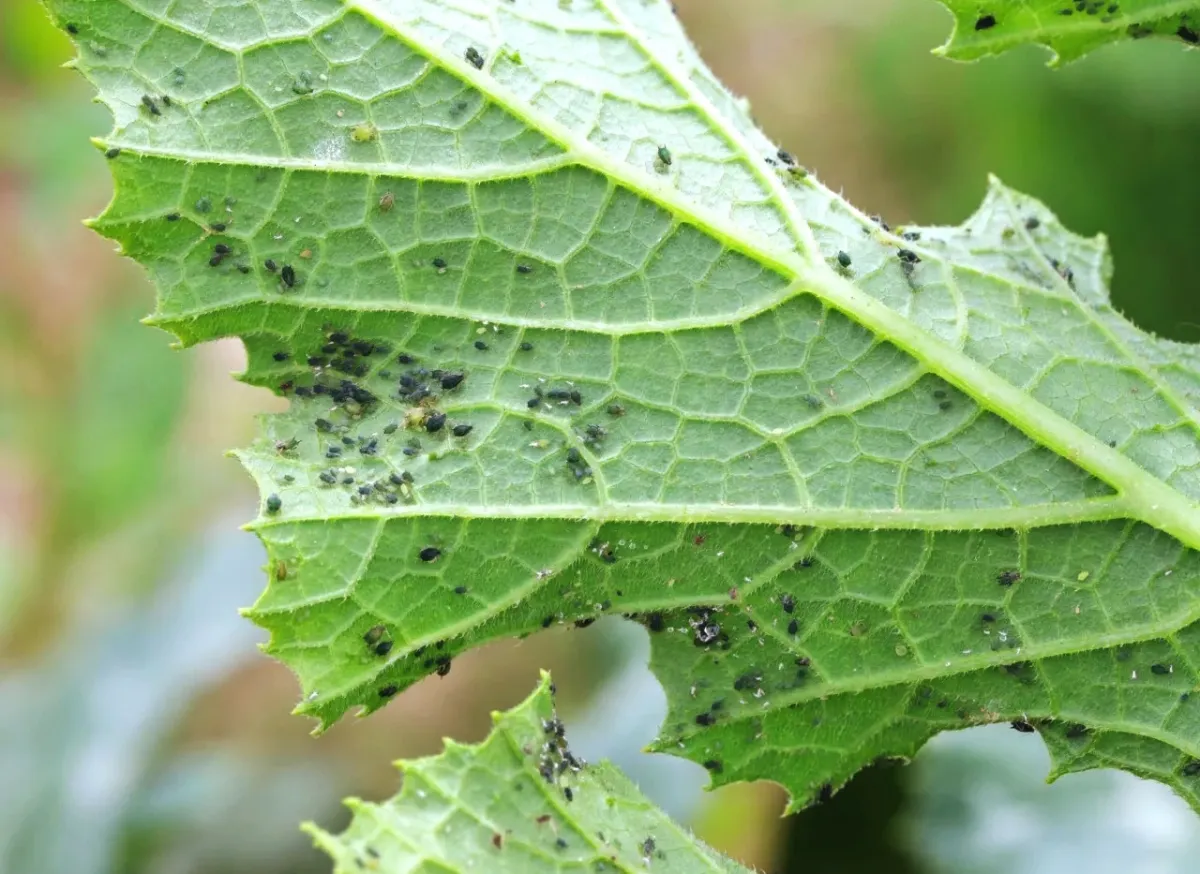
{"x": 1069, "y": 28}
{"x": 862, "y": 484}
{"x": 519, "y": 802}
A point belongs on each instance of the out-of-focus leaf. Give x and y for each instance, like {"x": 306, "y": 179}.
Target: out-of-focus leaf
{"x": 518, "y": 803}
{"x": 78, "y": 732}
{"x": 115, "y": 441}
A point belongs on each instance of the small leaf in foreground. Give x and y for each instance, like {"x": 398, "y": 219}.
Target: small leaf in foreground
{"x": 519, "y": 803}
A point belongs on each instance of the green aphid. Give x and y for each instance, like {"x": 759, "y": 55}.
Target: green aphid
{"x": 664, "y": 155}
{"x": 364, "y": 133}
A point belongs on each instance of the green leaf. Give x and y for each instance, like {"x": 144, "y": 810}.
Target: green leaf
{"x": 1069, "y": 28}
{"x": 862, "y": 484}
{"x": 518, "y": 802}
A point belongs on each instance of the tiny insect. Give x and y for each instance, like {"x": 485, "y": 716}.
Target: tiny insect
{"x": 151, "y": 104}
{"x": 364, "y": 133}
{"x": 429, "y": 553}
{"x": 526, "y": 346}
{"x": 271, "y": 265}
{"x": 1022, "y": 726}
{"x": 374, "y": 634}
{"x": 387, "y": 201}
{"x": 985, "y": 22}
{"x": 843, "y": 258}
{"x": 114, "y": 152}
{"x": 664, "y": 155}
{"x": 434, "y": 422}
{"x": 173, "y": 217}
{"x": 524, "y": 268}
{"x": 481, "y": 345}
{"x": 786, "y": 157}
{"x": 474, "y": 58}
{"x": 274, "y": 503}
{"x": 388, "y": 691}
{"x": 288, "y": 275}
{"x": 462, "y": 430}
{"x": 439, "y": 263}
{"x": 1007, "y": 578}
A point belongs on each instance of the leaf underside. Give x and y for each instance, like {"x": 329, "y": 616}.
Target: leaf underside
{"x": 1069, "y": 28}
{"x": 862, "y": 484}
{"x": 519, "y": 802}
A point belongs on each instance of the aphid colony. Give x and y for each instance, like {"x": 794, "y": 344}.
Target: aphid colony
{"x": 555, "y": 761}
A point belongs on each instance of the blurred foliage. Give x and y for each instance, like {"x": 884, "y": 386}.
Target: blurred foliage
{"x": 96, "y": 730}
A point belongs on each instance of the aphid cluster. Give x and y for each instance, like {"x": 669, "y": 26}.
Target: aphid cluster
{"x": 555, "y": 759}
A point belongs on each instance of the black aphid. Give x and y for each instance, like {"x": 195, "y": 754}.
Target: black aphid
{"x": 1032, "y": 223}
{"x": 474, "y": 58}
{"x": 327, "y": 477}
{"x": 524, "y": 268}
{"x": 460, "y": 590}
{"x": 462, "y": 430}
{"x": 533, "y": 403}
{"x": 221, "y": 249}
{"x": 373, "y": 634}
{"x": 388, "y": 691}
{"x": 443, "y": 666}
{"x": 73, "y": 29}
{"x": 568, "y": 793}
{"x": 843, "y": 259}
{"x": 151, "y": 104}
{"x": 908, "y": 256}
{"x": 429, "y": 553}
{"x": 439, "y": 263}
{"x": 451, "y": 380}
{"x": 1159, "y": 669}
{"x": 172, "y": 216}
{"x": 288, "y": 274}
{"x": 526, "y": 346}
{"x": 786, "y": 157}
{"x": 560, "y": 843}
{"x": 616, "y": 410}
{"x": 1191, "y": 769}
{"x": 705, "y": 719}
{"x": 1188, "y": 35}
{"x": 714, "y": 766}
{"x": 1076, "y": 731}
{"x": 1007, "y": 578}
{"x": 270, "y": 265}
{"x": 985, "y": 22}
{"x": 1022, "y": 726}
{"x": 274, "y": 503}
{"x": 383, "y": 647}
{"x": 655, "y": 622}
{"x": 793, "y": 627}
{"x": 434, "y": 422}
{"x": 114, "y": 152}
{"x": 787, "y": 602}
{"x": 219, "y": 227}
{"x": 481, "y": 345}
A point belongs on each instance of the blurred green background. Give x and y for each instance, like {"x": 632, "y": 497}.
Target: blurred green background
{"x": 140, "y": 730}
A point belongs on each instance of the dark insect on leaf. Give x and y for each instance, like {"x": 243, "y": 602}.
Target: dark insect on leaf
{"x": 429, "y": 553}
{"x": 462, "y": 430}
{"x": 1022, "y": 726}
{"x": 288, "y": 275}
{"x": 1007, "y": 578}
{"x": 114, "y": 152}
{"x": 388, "y": 691}
{"x": 451, "y": 380}
{"x": 474, "y": 58}
{"x": 434, "y": 422}
{"x": 274, "y": 503}
{"x": 664, "y": 155}
{"x": 843, "y": 259}
{"x": 985, "y": 22}
{"x": 524, "y": 268}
